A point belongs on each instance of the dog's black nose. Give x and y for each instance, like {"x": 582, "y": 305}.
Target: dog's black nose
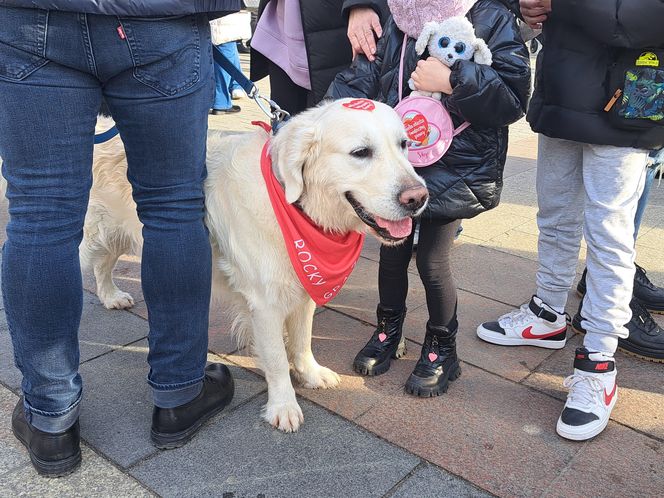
{"x": 414, "y": 197}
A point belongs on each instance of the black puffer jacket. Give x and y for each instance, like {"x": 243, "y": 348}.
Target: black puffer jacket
{"x": 468, "y": 178}
{"x": 325, "y": 25}
{"x": 581, "y": 40}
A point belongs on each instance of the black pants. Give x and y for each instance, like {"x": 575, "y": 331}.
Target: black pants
{"x": 289, "y": 96}
{"x": 433, "y": 264}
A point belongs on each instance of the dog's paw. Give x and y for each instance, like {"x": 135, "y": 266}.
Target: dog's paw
{"x": 117, "y": 300}
{"x": 286, "y": 417}
{"x": 318, "y": 377}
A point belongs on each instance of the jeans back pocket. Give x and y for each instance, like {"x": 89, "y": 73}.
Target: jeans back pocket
{"x": 166, "y": 52}
{"x": 22, "y": 41}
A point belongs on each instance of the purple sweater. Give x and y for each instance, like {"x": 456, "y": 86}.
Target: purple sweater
{"x": 280, "y": 38}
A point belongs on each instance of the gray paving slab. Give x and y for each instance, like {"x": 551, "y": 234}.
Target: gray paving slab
{"x": 95, "y": 478}
{"x": 9, "y": 374}
{"x": 101, "y": 331}
{"x": 242, "y": 455}
{"x": 429, "y": 481}
{"x": 117, "y": 409}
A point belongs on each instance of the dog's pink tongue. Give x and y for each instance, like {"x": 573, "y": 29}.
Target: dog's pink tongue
{"x": 398, "y": 229}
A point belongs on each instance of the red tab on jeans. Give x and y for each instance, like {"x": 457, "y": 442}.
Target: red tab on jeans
{"x": 121, "y": 32}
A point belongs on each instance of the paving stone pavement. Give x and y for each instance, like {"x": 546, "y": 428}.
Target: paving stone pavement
{"x": 493, "y": 433}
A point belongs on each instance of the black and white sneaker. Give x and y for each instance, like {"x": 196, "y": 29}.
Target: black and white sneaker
{"x": 533, "y": 324}
{"x": 593, "y": 393}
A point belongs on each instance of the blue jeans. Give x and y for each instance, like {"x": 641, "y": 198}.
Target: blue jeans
{"x": 643, "y": 201}
{"x": 224, "y": 84}
{"x": 156, "y": 76}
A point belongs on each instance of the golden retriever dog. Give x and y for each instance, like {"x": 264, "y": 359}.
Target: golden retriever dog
{"x": 346, "y": 167}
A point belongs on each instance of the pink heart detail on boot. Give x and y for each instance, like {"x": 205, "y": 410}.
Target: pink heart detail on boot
{"x": 433, "y": 357}
{"x": 382, "y": 337}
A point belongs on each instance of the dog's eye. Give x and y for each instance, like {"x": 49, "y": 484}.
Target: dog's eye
{"x": 404, "y": 144}
{"x": 362, "y": 152}
{"x": 444, "y": 42}
{"x": 460, "y": 47}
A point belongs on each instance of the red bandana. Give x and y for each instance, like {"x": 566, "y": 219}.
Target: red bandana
{"x": 323, "y": 261}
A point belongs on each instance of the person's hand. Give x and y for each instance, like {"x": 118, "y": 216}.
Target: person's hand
{"x": 431, "y": 75}
{"x": 363, "y": 22}
{"x": 535, "y": 12}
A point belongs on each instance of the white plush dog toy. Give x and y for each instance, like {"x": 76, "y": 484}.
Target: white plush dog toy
{"x": 449, "y": 41}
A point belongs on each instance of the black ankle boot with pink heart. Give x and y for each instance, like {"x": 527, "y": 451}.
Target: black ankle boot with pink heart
{"x": 386, "y": 343}
{"x": 438, "y": 363}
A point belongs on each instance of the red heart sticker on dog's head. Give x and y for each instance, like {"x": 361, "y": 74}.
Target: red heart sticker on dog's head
{"x": 360, "y": 105}
{"x": 417, "y": 127}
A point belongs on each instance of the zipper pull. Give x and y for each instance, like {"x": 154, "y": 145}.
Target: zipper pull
{"x": 613, "y": 100}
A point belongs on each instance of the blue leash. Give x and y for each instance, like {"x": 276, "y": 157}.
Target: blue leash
{"x": 276, "y": 114}
{"x": 106, "y": 136}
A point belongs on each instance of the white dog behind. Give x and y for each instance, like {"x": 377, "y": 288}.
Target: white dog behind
{"x": 347, "y": 169}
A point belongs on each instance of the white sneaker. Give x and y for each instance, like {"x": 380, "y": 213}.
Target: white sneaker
{"x": 534, "y": 324}
{"x": 593, "y": 392}
{"x": 238, "y": 94}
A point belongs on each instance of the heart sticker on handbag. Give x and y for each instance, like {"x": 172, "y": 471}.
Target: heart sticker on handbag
{"x": 417, "y": 127}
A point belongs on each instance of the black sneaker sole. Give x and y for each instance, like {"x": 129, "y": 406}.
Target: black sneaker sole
{"x": 52, "y": 469}
{"x": 413, "y": 387}
{"x": 380, "y": 368}
{"x": 655, "y": 357}
{"x": 171, "y": 441}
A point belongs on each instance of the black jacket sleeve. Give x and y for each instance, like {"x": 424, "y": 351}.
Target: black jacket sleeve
{"x": 380, "y": 6}
{"x": 496, "y": 95}
{"x": 362, "y": 78}
{"x": 618, "y": 23}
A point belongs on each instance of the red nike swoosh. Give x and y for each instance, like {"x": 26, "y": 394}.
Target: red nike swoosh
{"x": 609, "y": 397}
{"x": 526, "y": 334}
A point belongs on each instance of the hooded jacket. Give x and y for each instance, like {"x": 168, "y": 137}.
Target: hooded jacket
{"x": 581, "y": 42}
{"x": 467, "y": 180}
{"x": 325, "y": 25}
{"x": 130, "y": 7}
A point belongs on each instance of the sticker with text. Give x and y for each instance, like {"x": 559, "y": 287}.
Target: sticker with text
{"x": 360, "y": 105}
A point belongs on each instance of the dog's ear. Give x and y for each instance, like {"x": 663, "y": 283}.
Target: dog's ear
{"x": 482, "y": 53}
{"x": 427, "y": 31}
{"x": 296, "y": 144}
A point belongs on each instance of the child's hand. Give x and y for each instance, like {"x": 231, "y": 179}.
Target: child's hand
{"x": 431, "y": 75}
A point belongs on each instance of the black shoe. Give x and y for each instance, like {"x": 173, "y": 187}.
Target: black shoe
{"x": 387, "y": 342}
{"x": 651, "y": 296}
{"x": 231, "y": 110}
{"x": 173, "y": 427}
{"x": 646, "y": 338}
{"x": 53, "y": 455}
{"x": 438, "y": 363}
{"x": 242, "y": 48}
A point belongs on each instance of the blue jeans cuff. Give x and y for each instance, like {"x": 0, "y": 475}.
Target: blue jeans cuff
{"x": 52, "y": 422}
{"x": 170, "y": 398}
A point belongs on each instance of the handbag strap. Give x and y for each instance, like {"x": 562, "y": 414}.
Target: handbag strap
{"x": 403, "y": 53}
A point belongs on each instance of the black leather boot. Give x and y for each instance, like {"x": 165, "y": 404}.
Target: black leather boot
{"x": 646, "y": 338}
{"x": 387, "y": 342}
{"x": 53, "y": 455}
{"x": 173, "y": 427}
{"x": 651, "y": 296}
{"x": 438, "y": 363}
